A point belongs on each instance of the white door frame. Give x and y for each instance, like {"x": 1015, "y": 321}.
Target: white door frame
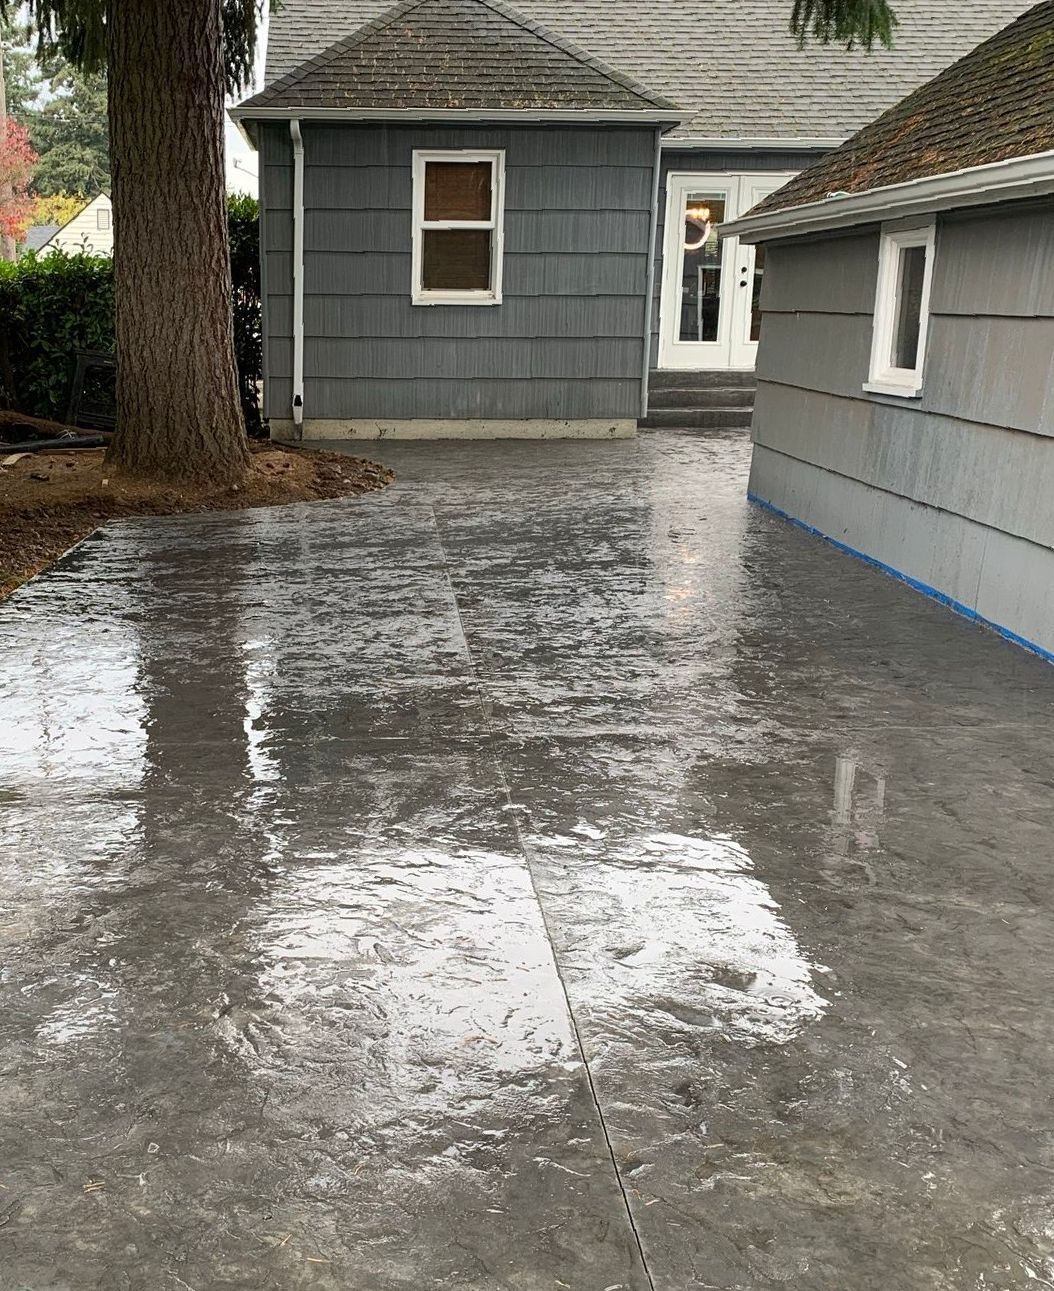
{"x": 733, "y": 347}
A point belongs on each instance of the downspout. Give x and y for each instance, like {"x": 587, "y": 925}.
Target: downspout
{"x": 649, "y": 287}
{"x": 298, "y": 279}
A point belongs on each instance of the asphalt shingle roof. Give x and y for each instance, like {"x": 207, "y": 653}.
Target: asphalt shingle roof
{"x": 994, "y": 104}
{"x": 732, "y": 63}
{"x": 39, "y": 235}
{"x": 453, "y": 54}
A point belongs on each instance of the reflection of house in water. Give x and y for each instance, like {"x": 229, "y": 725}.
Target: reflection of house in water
{"x": 859, "y": 806}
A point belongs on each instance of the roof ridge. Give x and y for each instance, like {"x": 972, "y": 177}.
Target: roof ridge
{"x": 342, "y": 46}
{"x": 566, "y": 46}
{"x": 507, "y": 12}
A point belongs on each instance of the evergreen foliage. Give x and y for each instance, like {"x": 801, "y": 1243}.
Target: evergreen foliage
{"x": 56, "y": 303}
{"x": 64, "y": 111}
{"x": 844, "y": 22}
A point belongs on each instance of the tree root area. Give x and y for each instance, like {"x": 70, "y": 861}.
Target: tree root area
{"x": 51, "y": 500}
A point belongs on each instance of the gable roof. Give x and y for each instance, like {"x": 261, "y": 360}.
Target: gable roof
{"x": 995, "y": 104}
{"x": 38, "y": 236}
{"x": 453, "y": 55}
{"x": 732, "y": 64}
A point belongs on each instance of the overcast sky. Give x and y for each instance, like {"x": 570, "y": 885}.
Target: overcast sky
{"x": 242, "y": 163}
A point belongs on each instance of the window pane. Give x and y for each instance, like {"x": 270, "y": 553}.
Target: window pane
{"x": 910, "y": 273}
{"x": 456, "y": 260}
{"x": 755, "y": 295}
{"x": 701, "y": 270}
{"x": 457, "y": 190}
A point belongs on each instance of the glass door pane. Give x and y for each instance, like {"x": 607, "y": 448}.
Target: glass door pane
{"x": 755, "y": 292}
{"x": 700, "y": 305}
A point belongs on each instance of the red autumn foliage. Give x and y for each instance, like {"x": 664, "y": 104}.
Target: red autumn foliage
{"x": 17, "y": 160}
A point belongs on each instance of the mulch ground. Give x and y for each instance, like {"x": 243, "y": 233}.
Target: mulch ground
{"x": 51, "y": 500}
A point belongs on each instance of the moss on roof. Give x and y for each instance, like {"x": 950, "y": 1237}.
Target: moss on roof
{"x": 994, "y": 104}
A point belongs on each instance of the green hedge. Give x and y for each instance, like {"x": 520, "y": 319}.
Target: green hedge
{"x": 54, "y": 304}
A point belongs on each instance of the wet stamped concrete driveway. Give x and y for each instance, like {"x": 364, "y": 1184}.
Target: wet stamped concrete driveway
{"x": 552, "y": 873}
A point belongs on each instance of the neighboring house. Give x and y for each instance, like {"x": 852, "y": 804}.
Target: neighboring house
{"x": 91, "y": 229}
{"x": 38, "y": 236}
{"x": 568, "y": 167}
{"x": 905, "y": 404}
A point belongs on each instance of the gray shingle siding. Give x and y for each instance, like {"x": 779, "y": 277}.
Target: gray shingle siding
{"x": 952, "y": 488}
{"x": 566, "y": 340}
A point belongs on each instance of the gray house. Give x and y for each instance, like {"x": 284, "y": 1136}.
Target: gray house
{"x": 905, "y": 401}
{"x": 481, "y": 220}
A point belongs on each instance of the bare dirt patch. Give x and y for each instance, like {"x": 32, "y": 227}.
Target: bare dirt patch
{"x": 51, "y": 500}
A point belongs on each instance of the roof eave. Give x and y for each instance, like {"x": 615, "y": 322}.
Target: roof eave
{"x": 243, "y": 116}
{"x": 998, "y": 181}
{"x": 766, "y": 143}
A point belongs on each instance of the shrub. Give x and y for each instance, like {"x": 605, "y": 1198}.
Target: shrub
{"x": 243, "y": 222}
{"x": 52, "y": 305}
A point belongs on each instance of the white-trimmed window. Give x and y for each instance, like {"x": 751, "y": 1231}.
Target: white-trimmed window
{"x": 902, "y": 304}
{"x": 102, "y": 217}
{"x": 459, "y": 212}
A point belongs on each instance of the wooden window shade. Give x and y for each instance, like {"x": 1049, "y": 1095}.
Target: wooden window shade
{"x": 457, "y": 190}
{"x": 456, "y": 260}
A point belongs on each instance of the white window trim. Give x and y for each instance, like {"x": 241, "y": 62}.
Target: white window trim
{"x": 489, "y": 296}
{"x": 883, "y": 378}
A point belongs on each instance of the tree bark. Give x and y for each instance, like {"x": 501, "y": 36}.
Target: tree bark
{"x": 178, "y": 415}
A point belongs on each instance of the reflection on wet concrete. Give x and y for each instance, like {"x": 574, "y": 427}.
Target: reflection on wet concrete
{"x": 315, "y": 822}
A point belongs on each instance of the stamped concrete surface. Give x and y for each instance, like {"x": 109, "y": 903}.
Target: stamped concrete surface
{"x": 550, "y": 873}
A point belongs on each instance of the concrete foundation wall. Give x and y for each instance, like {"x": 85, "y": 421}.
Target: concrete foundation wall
{"x": 952, "y": 489}
{"x": 438, "y": 428}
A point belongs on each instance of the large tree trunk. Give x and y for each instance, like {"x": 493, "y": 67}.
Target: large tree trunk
{"x": 178, "y": 415}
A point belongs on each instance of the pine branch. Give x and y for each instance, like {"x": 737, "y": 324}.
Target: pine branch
{"x": 844, "y": 22}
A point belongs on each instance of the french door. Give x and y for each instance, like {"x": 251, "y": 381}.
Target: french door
{"x": 711, "y": 286}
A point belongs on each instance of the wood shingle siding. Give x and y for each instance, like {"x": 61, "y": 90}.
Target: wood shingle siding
{"x": 565, "y": 342}
{"x": 953, "y": 487}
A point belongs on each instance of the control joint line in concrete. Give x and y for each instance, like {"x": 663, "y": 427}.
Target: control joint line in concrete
{"x": 525, "y": 852}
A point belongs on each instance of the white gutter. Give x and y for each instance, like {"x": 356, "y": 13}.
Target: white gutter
{"x": 999, "y": 181}
{"x": 649, "y": 280}
{"x": 640, "y": 116}
{"x": 298, "y": 278}
{"x": 691, "y": 142}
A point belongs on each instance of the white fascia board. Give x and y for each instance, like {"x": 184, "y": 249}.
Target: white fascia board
{"x": 641, "y": 116}
{"x": 689, "y": 143}
{"x": 999, "y": 181}
{"x": 247, "y": 135}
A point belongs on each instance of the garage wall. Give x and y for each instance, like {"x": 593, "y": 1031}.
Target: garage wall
{"x": 567, "y": 341}
{"x": 951, "y": 489}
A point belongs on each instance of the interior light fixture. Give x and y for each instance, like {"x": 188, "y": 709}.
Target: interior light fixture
{"x": 699, "y": 216}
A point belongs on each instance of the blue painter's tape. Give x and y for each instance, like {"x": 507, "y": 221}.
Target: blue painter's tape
{"x": 932, "y": 592}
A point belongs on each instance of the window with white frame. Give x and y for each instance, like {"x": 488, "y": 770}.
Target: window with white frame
{"x": 459, "y": 210}
{"x": 102, "y": 217}
{"x": 902, "y": 299}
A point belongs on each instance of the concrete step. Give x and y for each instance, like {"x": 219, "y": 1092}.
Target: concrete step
{"x": 679, "y": 379}
{"x": 708, "y": 397}
{"x": 705, "y": 417}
